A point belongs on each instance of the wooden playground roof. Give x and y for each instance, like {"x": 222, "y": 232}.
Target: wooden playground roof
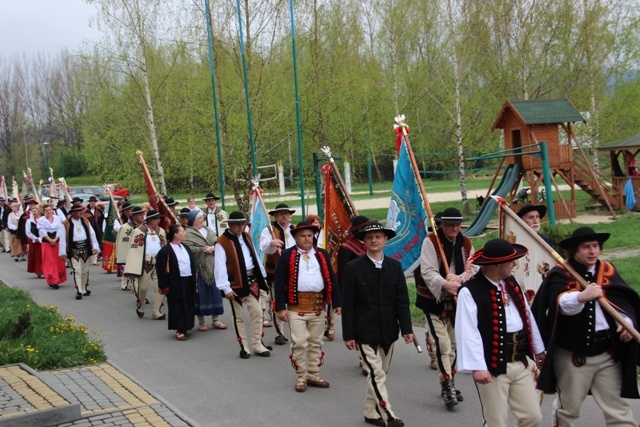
{"x": 627, "y": 143}
{"x": 540, "y": 111}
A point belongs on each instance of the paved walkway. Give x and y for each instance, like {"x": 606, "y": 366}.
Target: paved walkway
{"x": 98, "y": 395}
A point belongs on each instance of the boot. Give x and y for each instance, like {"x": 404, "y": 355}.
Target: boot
{"x": 448, "y": 394}
{"x": 457, "y": 393}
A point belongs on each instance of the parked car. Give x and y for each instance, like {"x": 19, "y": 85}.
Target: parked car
{"x": 84, "y": 192}
{"x": 118, "y": 190}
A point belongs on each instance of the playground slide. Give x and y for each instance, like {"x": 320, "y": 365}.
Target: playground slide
{"x": 489, "y": 206}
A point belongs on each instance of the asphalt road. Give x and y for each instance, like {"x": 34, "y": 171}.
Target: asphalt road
{"x": 206, "y": 380}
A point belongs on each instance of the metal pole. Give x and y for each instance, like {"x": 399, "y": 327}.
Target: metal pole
{"x": 547, "y": 184}
{"x": 316, "y": 174}
{"x": 254, "y": 169}
{"x": 207, "y": 12}
{"x": 369, "y": 177}
{"x": 299, "y": 126}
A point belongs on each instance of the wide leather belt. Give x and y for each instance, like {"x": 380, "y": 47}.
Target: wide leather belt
{"x": 516, "y": 346}
{"x": 308, "y": 302}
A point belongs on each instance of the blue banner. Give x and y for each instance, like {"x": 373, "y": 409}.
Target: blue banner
{"x": 406, "y": 216}
{"x": 259, "y": 221}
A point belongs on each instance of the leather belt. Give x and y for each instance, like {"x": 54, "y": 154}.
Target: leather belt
{"x": 516, "y": 346}
{"x": 308, "y": 302}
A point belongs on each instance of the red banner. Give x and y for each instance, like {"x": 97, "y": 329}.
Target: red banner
{"x": 337, "y": 218}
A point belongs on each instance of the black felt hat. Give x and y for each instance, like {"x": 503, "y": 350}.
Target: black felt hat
{"x": 282, "y": 207}
{"x": 136, "y": 210}
{"x": 211, "y": 196}
{"x": 451, "y": 216}
{"x": 498, "y": 251}
{"x": 305, "y": 225}
{"x": 125, "y": 206}
{"x": 583, "y": 234}
{"x": 184, "y": 212}
{"x": 152, "y": 214}
{"x": 237, "y": 217}
{"x": 373, "y": 226}
{"x": 76, "y": 208}
{"x": 170, "y": 202}
{"x": 525, "y": 209}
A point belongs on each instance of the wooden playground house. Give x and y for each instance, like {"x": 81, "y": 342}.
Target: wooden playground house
{"x": 623, "y": 155}
{"x": 527, "y": 123}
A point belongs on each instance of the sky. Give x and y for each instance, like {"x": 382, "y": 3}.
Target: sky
{"x": 34, "y": 26}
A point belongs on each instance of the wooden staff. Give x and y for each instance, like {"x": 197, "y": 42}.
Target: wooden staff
{"x": 604, "y": 303}
{"x": 33, "y": 186}
{"x": 327, "y": 152}
{"x": 153, "y": 187}
{"x": 423, "y": 193}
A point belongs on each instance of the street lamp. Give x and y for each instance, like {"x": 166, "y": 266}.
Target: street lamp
{"x": 46, "y": 157}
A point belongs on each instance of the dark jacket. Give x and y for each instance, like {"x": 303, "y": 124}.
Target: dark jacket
{"x": 574, "y": 333}
{"x": 375, "y": 302}
{"x": 6, "y": 210}
{"x": 182, "y": 293}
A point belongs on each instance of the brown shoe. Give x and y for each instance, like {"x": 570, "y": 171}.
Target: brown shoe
{"x": 316, "y": 381}
{"x": 203, "y": 328}
{"x": 300, "y": 385}
{"x": 181, "y": 336}
{"x": 396, "y": 423}
{"x": 375, "y": 421}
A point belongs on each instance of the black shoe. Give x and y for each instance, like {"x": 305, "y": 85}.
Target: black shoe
{"x": 87, "y": 293}
{"x": 55, "y": 286}
{"x": 164, "y": 316}
{"x": 448, "y": 394}
{"x": 396, "y": 423}
{"x": 375, "y": 421}
{"x": 146, "y": 301}
{"x": 244, "y": 354}
{"x": 78, "y": 295}
{"x": 280, "y": 340}
{"x": 140, "y": 313}
{"x": 263, "y": 354}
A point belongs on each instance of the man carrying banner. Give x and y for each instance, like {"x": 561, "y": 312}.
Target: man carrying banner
{"x": 123, "y": 242}
{"x": 588, "y": 352}
{"x": 272, "y": 245}
{"x": 437, "y": 298}
{"x": 240, "y": 276}
{"x": 146, "y": 241}
{"x": 375, "y": 308}
{"x": 303, "y": 284}
{"x": 78, "y": 245}
{"x": 498, "y": 338}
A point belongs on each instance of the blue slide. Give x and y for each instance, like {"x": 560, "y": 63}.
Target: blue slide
{"x": 509, "y": 178}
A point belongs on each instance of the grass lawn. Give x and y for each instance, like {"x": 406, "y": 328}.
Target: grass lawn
{"x": 37, "y": 336}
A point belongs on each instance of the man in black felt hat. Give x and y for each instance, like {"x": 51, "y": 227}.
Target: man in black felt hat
{"x": 436, "y": 294}
{"x": 79, "y": 245}
{"x": 304, "y": 283}
{"x": 272, "y": 245}
{"x": 498, "y": 337}
{"x": 375, "y": 309}
{"x": 532, "y": 215}
{"x": 214, "y": 217}
{"x": 588, "y": 352}
{"x": 145, "y": 243}
{"x": 240, "y": 276}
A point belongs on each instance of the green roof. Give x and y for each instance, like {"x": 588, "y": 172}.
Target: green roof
{"x": 547, "y": 111}
{"x": 630, "y": 142}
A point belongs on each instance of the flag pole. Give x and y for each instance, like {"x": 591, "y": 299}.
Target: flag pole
{"x": 327, "y": 152}
{"x": 33, "y": 186}
{"x": 604, "y": 303}
{"x": 423, "y": 193}
{"x": 153, "y": 187}
{"x": 256, "y": 187}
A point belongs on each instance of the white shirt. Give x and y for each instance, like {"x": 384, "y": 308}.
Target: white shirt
{"x": 570, "y": 306}
{"x": 266, "y": 237}
{"x": 27, "y": 230}
{"x": 184, "y": 262}
{"x": 152, "y": 244}
{"x": 62, "y": 250}
{"x": 470, "y": 347}
{"x": 220, "y": 271}
{"x": 309, "y": 274}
